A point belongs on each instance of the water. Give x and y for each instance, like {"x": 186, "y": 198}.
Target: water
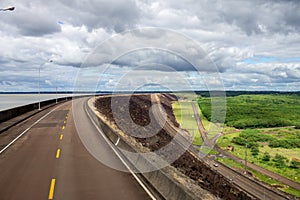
{"x": 8, "y": 101}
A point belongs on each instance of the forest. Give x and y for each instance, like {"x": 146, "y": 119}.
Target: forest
{"x": 256, "y": 110}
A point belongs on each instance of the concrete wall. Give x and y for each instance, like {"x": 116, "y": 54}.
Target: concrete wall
{"x": 14, "y": 112}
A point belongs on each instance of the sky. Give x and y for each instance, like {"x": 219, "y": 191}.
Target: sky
{"x": 251, "y": 45}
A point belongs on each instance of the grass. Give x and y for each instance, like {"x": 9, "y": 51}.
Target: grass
{"x": 276, "y": 116}
{"x": 208, "y": 150}
{"x": 261, "y": 177}
{"x": 240, "y": 151}
{"x": 257, "y": 111}
{"x": 211, "y": 128}
{"x": 185, "y": 117}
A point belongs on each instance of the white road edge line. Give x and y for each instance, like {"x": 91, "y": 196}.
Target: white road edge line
{"x": 120, "y": 157}
{"x": 7, "y": 146}
{"x": 117, "y": 141}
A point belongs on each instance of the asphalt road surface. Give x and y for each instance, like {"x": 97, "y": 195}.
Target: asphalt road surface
{"x": 49, "y": 161}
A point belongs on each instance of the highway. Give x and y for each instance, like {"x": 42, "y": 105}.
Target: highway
{"x": 44, "y": 158}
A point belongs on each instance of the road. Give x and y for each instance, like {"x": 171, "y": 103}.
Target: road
{"x": 49, "y": 160}
{"x": 254, "y": 188}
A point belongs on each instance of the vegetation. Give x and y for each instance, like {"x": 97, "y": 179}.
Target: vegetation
{"x": 281, "y": 160}
{"x": 256, "y": 111}
{"x": 266, "y": 128}
{"x": 266, "y": 157}
{"x": 252, "y": 136}
{"x": 184, "y": 114}
{"x": 261, "y": 177}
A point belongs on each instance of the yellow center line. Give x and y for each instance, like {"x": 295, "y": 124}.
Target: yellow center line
{"x": 61, "y": 136}
{"x": 51, "y": 191}
{"x": 57, "y": 153}
{"x": 63, "y": 127}
{"x": 65, "y": 122}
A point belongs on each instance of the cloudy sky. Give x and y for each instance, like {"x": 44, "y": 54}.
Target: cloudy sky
{"x": 255, "y": 44}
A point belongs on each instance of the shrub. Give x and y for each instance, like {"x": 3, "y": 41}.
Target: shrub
{"x": 239, "y": 141}
{"x": 254, "y": 150}
{"x": 266, "y": 157}
{"x": 279, "y": 161}
{"x": 294, "y": 164}
{"x": 285, "y": 143}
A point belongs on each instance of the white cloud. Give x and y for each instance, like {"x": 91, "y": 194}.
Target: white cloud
{"x": 230, "y": 32}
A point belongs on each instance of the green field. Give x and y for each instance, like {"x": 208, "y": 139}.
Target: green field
{"x": 257, "y": 111}
{"x": 258, "y": 140}
{"x": 184, "y": 114}
{"x": 261, "y": 177}
{"x": 268, "y": 124}
{"x": 267, "y": 128}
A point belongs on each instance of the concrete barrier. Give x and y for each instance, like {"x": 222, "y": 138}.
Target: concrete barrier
{"x": 161, "y": 180}
{"x": 17, "y": 111}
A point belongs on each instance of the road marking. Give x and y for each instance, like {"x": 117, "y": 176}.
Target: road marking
{"x": 57, "y": 153}
{"x": 52, "y": 187}
{"x": 63, "y": 127}
{"x": 65, "y": 122}
{"x": 117, "y": 141}
{"x": 61, "y": 136}
{"x": 6, "y": 147}
{"x": 120, "y": 157}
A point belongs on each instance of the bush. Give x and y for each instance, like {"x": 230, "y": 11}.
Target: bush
{"x": 239, "y": 140}
{"x": 254, "y": 150}
{"x": 266, "y": 157}
{"x": 285, "y": 143}
{"x": 294, "y": 164}
{"x": 279, "y": 161}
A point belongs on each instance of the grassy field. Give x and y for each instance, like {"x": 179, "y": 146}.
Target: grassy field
{"x": 258, "y": 111}
{"x": 261, "y": 177}
{"x": 288, "y": 154}
{"x": 185, "y": 117}
{"x": 269, "y": 124}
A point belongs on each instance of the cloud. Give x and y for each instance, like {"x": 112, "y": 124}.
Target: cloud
{"x": 233, "y": 34}
{"x": 116, "y": 15}
{"x": 30, "y": 19}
